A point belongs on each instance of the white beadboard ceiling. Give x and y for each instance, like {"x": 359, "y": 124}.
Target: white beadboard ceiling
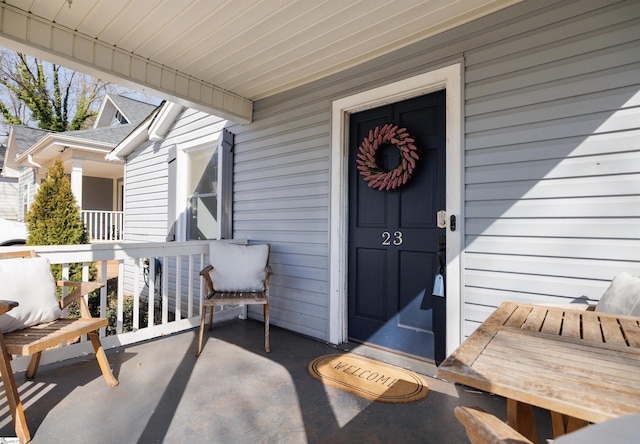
{"x": 220, "y": 55}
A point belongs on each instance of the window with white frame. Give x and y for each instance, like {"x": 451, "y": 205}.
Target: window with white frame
{"x": 24, "y": 197}
{"x": 202, "y": 208}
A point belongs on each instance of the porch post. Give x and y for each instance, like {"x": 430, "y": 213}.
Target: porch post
{"x": 76, "y": 180}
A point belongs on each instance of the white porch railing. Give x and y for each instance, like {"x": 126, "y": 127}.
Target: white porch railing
{"x": 104, "y": 226}
{"x": 176, "y": 291}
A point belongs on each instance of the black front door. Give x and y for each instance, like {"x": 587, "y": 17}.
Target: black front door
{"x": 393, "y": 234}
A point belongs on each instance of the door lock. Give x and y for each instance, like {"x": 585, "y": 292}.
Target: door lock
{"x": 442, "y": 219}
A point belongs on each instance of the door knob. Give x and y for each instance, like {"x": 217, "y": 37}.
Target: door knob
{"x": 442, "y": 219}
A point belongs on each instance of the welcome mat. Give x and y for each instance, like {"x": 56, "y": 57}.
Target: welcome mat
{"x": 368, "y": 378}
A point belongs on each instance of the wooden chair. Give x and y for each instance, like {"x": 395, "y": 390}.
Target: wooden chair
{"x": 33, "y": 340}
{"x": 484, "y": 428}
{"x": 238, "y": 275}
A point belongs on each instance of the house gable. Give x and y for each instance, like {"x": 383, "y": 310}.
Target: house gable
{"x": 120, "y": 110}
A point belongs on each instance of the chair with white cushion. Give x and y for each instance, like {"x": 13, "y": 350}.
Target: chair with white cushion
{"x": 238, "y": 275}
{"x": 31, "y": 321}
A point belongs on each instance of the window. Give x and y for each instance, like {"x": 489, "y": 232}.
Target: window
{"x": 202, "y": 207}
{"x": 118, "y": 119}
{"x": 24, "y": 196}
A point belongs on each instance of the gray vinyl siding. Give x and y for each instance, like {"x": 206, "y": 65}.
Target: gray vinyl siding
{"x": 281, "y": 196}
{"x": 551, "y": 182}
{"x": 146, "y": 194}
{"x": 552, "y": 158}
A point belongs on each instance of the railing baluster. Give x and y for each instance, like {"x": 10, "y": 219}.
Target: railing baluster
{"x": 136, "y": 295}
{"x": 151, "y": 281}
{"x": 190, "y": 289}
{"x": 120, "y": 313}
{"x": 104, "y": 278}
{"x": 178, "y": 288}
{"x": 164, "y": 287}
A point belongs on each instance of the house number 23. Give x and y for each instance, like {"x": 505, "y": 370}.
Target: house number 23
{"x": 395, "y": 238}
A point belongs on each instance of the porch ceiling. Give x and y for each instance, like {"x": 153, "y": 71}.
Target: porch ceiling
{"x": 220, "y": 55}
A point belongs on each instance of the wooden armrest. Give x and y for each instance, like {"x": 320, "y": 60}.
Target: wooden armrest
{"x": 82, "y": 288}
{"x": 205, "y": 271}
{"x": 207, "y": 279}
{"x": 483, "y": 427}
{"x": 5, "y": 306}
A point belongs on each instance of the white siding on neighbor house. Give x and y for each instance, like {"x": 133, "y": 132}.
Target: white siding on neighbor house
{"x": 8, "y": 199}
{"x": 26, "y": 184}
{"x": 551, "y": 176}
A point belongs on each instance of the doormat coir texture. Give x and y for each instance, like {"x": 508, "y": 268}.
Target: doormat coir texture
{"x": 368, "y": 378}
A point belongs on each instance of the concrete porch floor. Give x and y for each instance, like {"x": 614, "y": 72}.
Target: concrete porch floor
{"x": 233, "y": 393}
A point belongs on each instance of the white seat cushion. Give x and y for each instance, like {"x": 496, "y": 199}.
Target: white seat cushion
{"x": 622, "y": 296}
{"x": 29, "y": 282}
{"x": 238, "y": 267}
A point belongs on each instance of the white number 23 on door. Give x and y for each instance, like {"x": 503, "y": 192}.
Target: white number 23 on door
{"x": 395, "y": 238}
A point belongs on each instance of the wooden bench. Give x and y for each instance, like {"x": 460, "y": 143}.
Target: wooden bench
{"x": 32, "y": 341}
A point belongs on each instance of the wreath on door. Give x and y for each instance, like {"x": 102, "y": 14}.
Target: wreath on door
{"x": 375, "y": 176}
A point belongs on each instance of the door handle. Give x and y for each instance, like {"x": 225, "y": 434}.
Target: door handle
{"x": 441, "y": 219}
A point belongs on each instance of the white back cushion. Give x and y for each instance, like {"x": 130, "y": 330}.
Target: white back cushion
{"x": 622, "y": 296}
{"x": 30, "y": 283}
{"x": 238, "y": 267}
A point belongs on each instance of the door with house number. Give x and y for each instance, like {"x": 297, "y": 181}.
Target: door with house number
{"x": 393, "y": 234}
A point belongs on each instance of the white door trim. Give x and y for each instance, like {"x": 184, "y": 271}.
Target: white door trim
{"x": 450, "y": 79}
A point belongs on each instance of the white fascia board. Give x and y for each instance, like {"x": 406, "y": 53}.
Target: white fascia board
{"x": 56, "y": 140}
{"x": 164, "y": 121}
{"x": 130, "y": 143}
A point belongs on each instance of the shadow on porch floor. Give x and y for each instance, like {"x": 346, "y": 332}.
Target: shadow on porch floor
{"x": 233, "y": 393}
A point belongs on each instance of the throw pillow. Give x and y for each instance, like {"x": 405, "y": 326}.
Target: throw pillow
{"x": 622, "y": 296}
{"x": 238, "y": 267}
{"x": 29, "y": 282}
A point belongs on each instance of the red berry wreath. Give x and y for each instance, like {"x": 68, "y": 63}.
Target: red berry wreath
{"x": 372, "y": 173}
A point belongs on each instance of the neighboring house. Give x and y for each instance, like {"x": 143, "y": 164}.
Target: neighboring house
{"x": 96, "y": 183}
{"x": 528, "y": 124}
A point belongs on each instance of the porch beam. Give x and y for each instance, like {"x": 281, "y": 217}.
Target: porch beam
{"x": 25, "y": 32}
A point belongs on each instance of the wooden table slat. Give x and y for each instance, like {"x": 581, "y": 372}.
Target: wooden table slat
{"x": 591, "y": 330}
{"x": 571, "y": 324}
{"x": 631, "y": 330}
{"x": 611, "y": 331}
{"x": 535, "y": 319}
{"x": 519, "y": 316}
{"x": 553, "y": 322}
